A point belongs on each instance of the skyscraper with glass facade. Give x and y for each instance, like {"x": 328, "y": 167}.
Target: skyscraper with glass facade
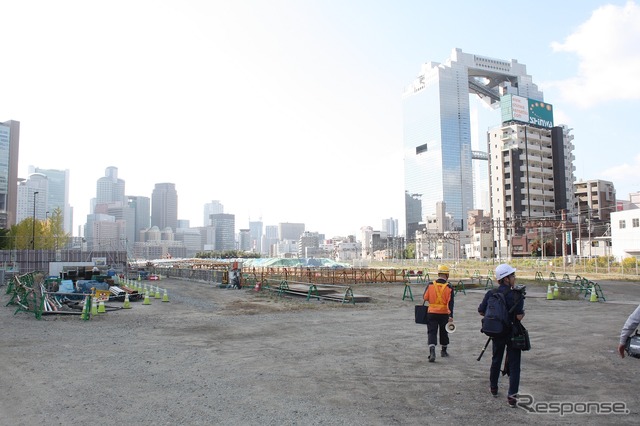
{"x": 164, "y": 206}
{"x": 9, "y": 149}
{"x": 110, "y": 188}
{"x": 58, "y": 194}
{"x": 437, "y": 137}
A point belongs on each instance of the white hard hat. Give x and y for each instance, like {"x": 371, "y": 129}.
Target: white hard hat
{"x": 504, "y": 270}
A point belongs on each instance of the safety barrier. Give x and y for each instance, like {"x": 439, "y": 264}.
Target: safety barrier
{"x": 580, "y": 285}
{"x": 26, "y": 294}
{"x": 318, "y": 291}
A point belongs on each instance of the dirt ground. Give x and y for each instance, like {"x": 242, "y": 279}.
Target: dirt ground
{"x": 217, "y": 356}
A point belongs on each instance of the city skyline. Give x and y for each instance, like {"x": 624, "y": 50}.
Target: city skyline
{"x": 296, "y": 116}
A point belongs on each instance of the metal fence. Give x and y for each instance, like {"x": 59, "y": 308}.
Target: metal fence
{"x": 24, "y": 261}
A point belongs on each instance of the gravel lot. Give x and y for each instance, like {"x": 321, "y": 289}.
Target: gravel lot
{"x": 217, "y": 356}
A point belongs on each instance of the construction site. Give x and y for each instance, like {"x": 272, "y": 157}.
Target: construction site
{"x": 190, "y": 350}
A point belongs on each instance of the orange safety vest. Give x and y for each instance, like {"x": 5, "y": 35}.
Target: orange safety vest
{"x": 438, "y": 295}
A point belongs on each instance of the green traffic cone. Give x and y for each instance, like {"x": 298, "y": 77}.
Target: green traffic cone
{"x": 127, "y": 303}
{"x": 146, "y": 301}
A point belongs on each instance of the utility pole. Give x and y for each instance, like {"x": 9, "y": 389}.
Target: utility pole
{"x": 499, "y": 243}
{"x": 564, "y": 237}
{"x": 589, "y": 229}
{"x": 579, "y": 249}
{"x": 33, "y": 225}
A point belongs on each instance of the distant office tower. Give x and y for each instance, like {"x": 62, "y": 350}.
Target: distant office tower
{"x": 125, "y": 216}
{"x": 33, "y": 190}
{"x": 290, "y": 231}
{"x": 214, "y": 207}
{"x": 108, "y": 234}
{"x": 269, "y": 239}
{"x": 164, "y": 206}
{"x": 9, "y": 149}
{"x": 244, "y": 240}
{"x": 390, "y": 226}
{"x": 437, "y": 139}
{"x": 110, "y": 189}
{"x": 309, "y": 244}
{"x": 58, "y": 196}
{"x": 255, "y": 228}
{"x": 225, "y": 228}
{"x": 142, "y": 213}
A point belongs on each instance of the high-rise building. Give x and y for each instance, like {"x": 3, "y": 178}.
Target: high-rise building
{"x": 109, "y": 188}
{"x": 164, "y": 206}
{"x": 225, "y": 226}
{"x": 9, "y": 150}
{"x": 269, "y": 240}
{"x": 255, "y": 229}
{"x": 214, "y": 207}
{"x": 437, "y": 131}
{"x": 390, "y": 226}
{"x": 127, "y": 230}
{"x": 596, "y": 199}
{"x": 244, "y": 240}
{"x": 531, "y": 174}
{"x": 58, "y": 195}
{"x": 290, "y": 231}
{"x": 142, "y": 213}
{"x": 308, "y": 244}
{"x": 33, "y": 190}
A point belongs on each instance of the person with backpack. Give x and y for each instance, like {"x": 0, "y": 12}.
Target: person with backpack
{"x": 500, "y": 308}
{"x": 630, "y": 325}
{"x": 439, "y": 294}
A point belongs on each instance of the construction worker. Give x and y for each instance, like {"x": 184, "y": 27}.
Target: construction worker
{"x": 439, "y": 295}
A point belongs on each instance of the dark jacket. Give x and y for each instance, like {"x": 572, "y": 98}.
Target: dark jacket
{"x": 511, "y": 297}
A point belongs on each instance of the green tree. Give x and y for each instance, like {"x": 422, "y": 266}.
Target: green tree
{"x": 410, "y": 251}
{"x": 54, "y": 236}
{"x": 5, "y": 239}
{"x": 49, "y": 234}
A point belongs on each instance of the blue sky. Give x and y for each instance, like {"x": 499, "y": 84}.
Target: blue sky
{"x": 291, "y": 111}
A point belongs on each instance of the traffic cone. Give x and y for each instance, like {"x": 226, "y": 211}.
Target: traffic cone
{"x": 594, "y": 296}
{"x": 94, "y": 307}
{"x": 556, "y": 291}
{"x": 147, "y": 301}
{"x": 101, "y": 307}
{"x": 165, "y": 298}
{"x": 157, "y": 296}
{"x": 127, "y": 303}
{"x": 85, "y": 309}
{"x": 549, "y": 293}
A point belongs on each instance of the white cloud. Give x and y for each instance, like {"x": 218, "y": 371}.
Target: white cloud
{"x": 625, "y": 176}
{"x": 608, "y": 49}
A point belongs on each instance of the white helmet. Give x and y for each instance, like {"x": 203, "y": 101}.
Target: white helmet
{"x": 504, "y": 270}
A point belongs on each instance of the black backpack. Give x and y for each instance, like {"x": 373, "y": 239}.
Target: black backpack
{"x": 497, "y": 318}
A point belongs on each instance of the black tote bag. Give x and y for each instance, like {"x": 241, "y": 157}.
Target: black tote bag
{"x": 421, "y": 314}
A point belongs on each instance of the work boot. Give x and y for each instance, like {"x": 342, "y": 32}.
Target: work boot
{"x": 443, "y": 352}
{"x": 432, "y": 353}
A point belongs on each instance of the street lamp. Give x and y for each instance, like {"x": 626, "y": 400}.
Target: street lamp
{"x": 33, "y": 225}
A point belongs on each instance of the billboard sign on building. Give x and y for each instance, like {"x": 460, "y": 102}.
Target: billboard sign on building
{"x": 525, "y": 110}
